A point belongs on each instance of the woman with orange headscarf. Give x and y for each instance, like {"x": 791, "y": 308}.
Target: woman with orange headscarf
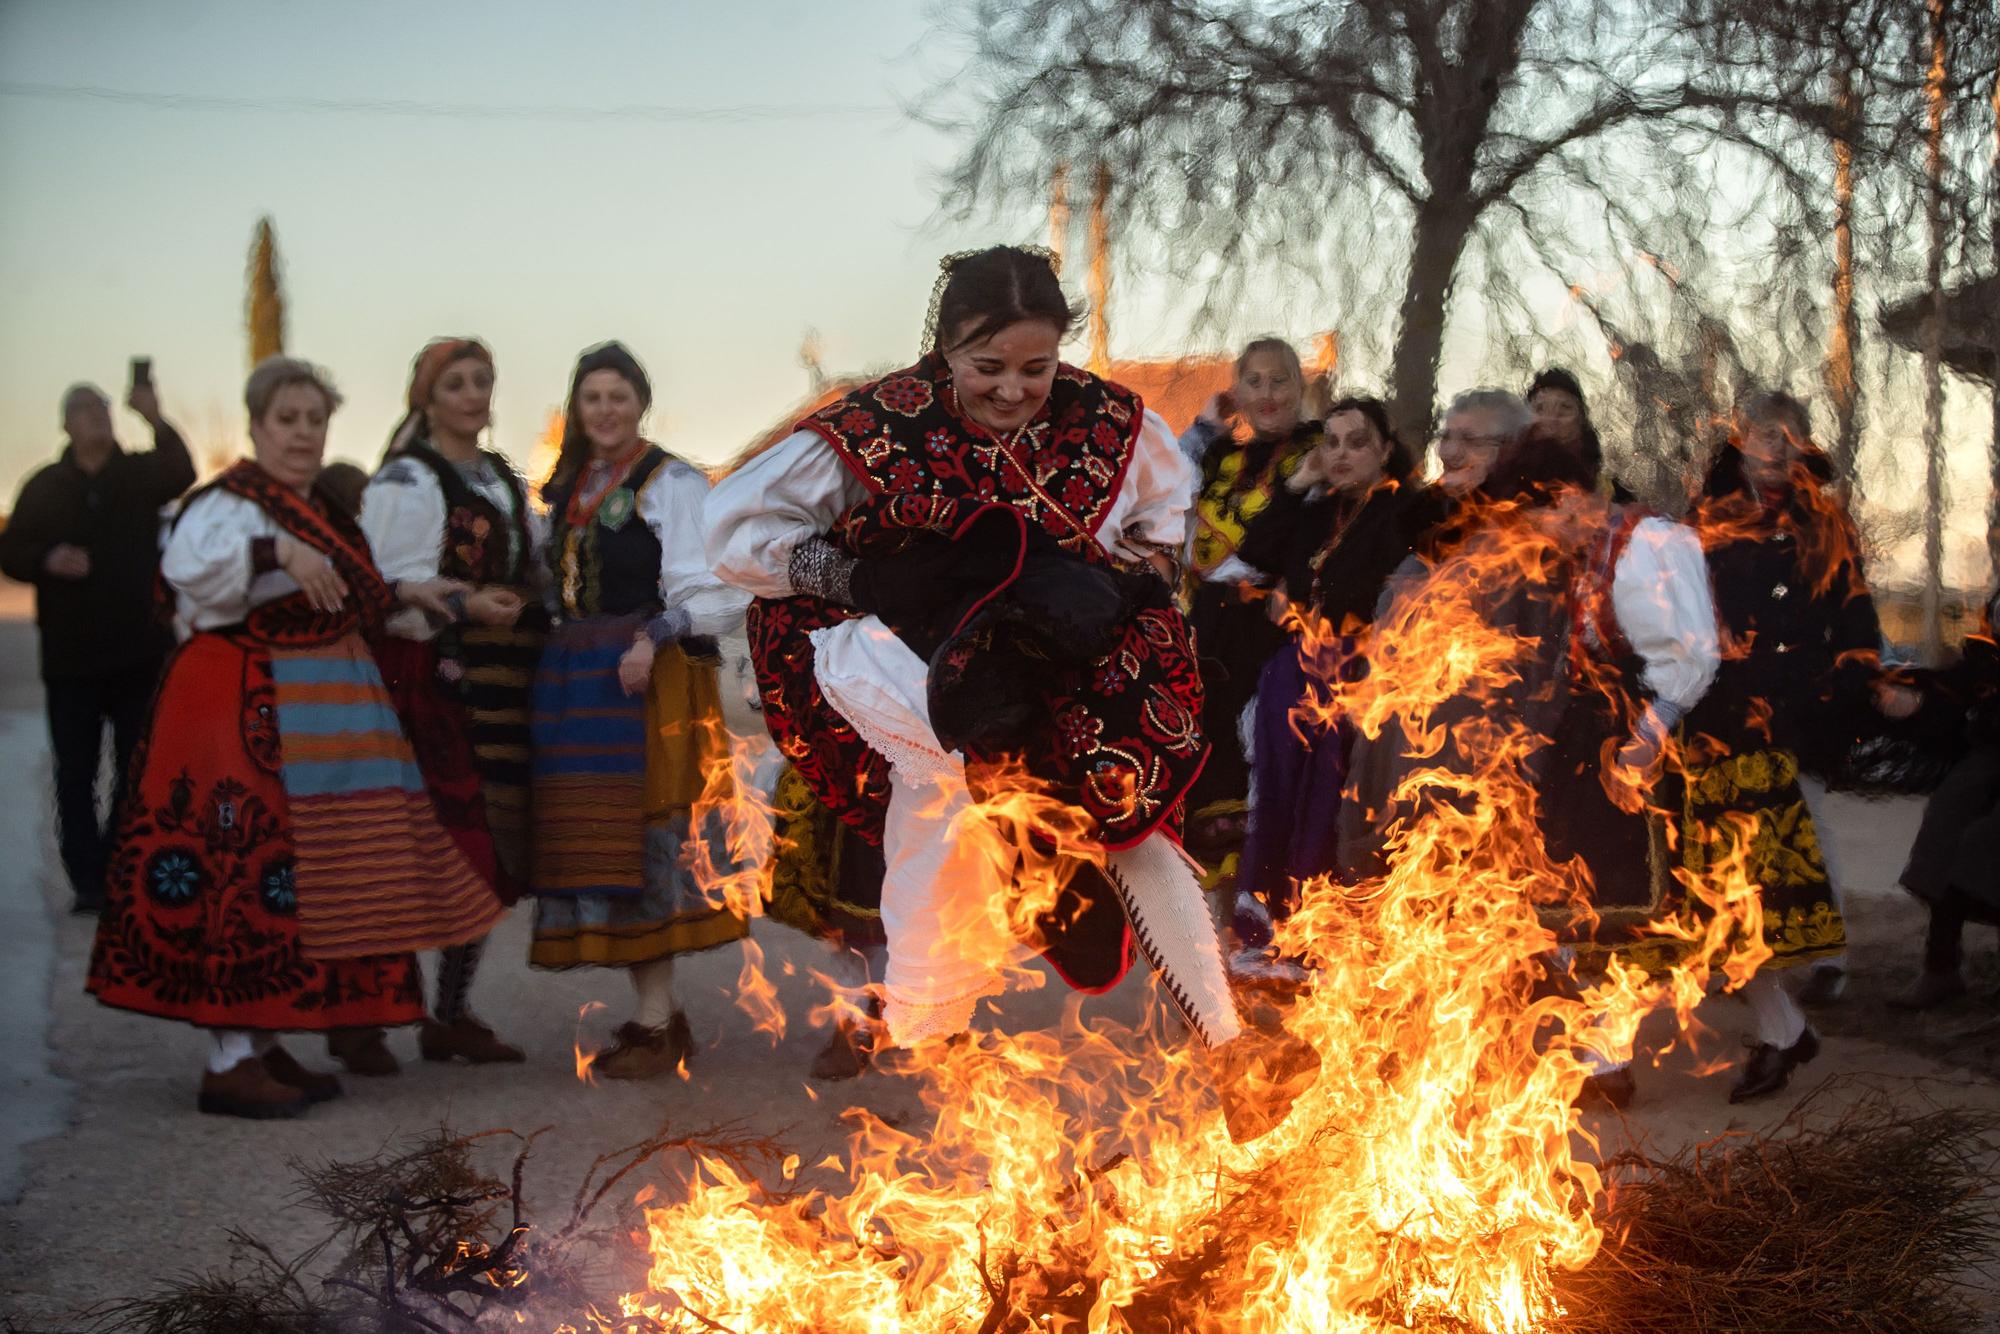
{"x": 441, "y": 506}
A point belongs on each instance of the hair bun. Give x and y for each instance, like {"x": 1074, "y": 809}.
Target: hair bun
{"x": 1004, "y": 280}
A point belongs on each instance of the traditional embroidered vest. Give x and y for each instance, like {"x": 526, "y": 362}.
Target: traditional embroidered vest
{"x": 1237, "y": 481}
{"x": 905, "y": 436}
{"x": 1124, "y": 739}
{"x": 607, "y": 561}
{"x": 322, "y": 524}
{"x": 483, "y": 544}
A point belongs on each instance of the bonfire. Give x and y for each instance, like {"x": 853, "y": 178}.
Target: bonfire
{"x": 1435, "y": 1178}
{"x": 1082, "y": 1179}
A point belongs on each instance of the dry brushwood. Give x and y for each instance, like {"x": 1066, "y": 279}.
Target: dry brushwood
{"x": 426, "y": 1242}
{"x": 269, "y": 1298}
{"x": 1867, "y": 1219}
{"x": 1864, "y": 1219}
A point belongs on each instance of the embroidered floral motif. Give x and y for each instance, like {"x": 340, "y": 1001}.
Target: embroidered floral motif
{"x": 616, "y": 508}
{"x": 905, "y": 395}
{"x": 1077, "y": 732}
{"x": 1124, "y": 740}
{"x": 275, "y": 888}
{"x": 466, "y": 532}
{"x": 1748, "y": 808}
{"x": 173, "y": 876}
{"x": 259, "y": 717}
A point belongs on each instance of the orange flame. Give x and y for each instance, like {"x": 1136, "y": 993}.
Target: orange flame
{"x": 1070, "y": 1179}
{"x": 585, "y": 1059}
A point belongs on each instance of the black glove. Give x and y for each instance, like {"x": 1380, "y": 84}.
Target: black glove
{"x": 934, "y": 574}
{"x": 1075, "y": 610}
{"x": 907, "y": 587}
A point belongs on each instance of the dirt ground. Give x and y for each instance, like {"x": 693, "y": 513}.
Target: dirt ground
{"x": 135, "y": 1186}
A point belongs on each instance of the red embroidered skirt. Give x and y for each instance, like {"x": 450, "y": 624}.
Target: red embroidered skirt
{"x": 201, "y": 918}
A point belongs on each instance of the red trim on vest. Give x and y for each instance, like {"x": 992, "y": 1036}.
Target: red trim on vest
{"x": 904, "y": 434}
{"x": 1591, "y": 591}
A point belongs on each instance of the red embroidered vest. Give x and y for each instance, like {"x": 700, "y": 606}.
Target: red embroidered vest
{"x": 1062, "y": 471}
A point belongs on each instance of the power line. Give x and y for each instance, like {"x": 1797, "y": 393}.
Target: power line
{"x": 388, "y": 106}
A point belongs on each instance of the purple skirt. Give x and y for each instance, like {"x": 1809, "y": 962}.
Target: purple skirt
{"x": 1298, "y": 767}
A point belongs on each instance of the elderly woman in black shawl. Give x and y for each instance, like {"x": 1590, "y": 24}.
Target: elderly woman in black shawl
{"x": 1612, "y": 639}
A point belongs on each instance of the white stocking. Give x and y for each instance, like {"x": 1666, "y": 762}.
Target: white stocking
{"x": 658, "y": 1001}
{"x": 228, "y": 1048}
{"x": 1162, "y": 897}
{"x": 1779, "y": 1020}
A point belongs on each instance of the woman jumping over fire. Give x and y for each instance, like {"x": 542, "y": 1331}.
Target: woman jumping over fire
{"x": 963, "y": 573}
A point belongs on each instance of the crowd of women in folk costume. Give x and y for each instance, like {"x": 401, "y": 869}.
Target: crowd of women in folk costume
{"x": 985, "y": 575}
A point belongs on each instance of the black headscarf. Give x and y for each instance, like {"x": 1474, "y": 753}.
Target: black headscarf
{"x": 1591, "y": 448}
{"x": 611, "y": 356}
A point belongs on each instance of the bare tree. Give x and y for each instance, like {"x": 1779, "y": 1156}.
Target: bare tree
{"x": 1406, "y": 131}
{"x": 1934, "y": 218}
{"x": 1903, "y": 74}
{"x": 1993, "y": 330}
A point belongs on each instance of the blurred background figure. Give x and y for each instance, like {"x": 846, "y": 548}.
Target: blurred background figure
{"x": 1954, "y": 865}
{"x": 1228, "y": 605}
{"x": 627, "y": 714}
{"x": 85, "y": 532}
{"x": 1332, "y": 534}
{"x": 1801, "y": 658}
{"x": 343, "y": 483}
{"x": 1562, "y": 416}
{"x": 443, "y": 507}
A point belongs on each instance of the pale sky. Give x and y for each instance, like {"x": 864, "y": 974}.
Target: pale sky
{"x": 801, "y": 196}
{"x": 709, "y": 246}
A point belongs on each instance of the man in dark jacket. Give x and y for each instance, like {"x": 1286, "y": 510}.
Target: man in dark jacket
{"x": 85, "y": 532}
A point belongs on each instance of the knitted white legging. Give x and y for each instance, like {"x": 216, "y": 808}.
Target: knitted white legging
{"x": 1779, "y": 1020}
{"x": 943, "y": 884}
{"x": 1161, "y": 892}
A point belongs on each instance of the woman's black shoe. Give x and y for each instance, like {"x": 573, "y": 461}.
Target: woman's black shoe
{"x": 1770, "y": 1067}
